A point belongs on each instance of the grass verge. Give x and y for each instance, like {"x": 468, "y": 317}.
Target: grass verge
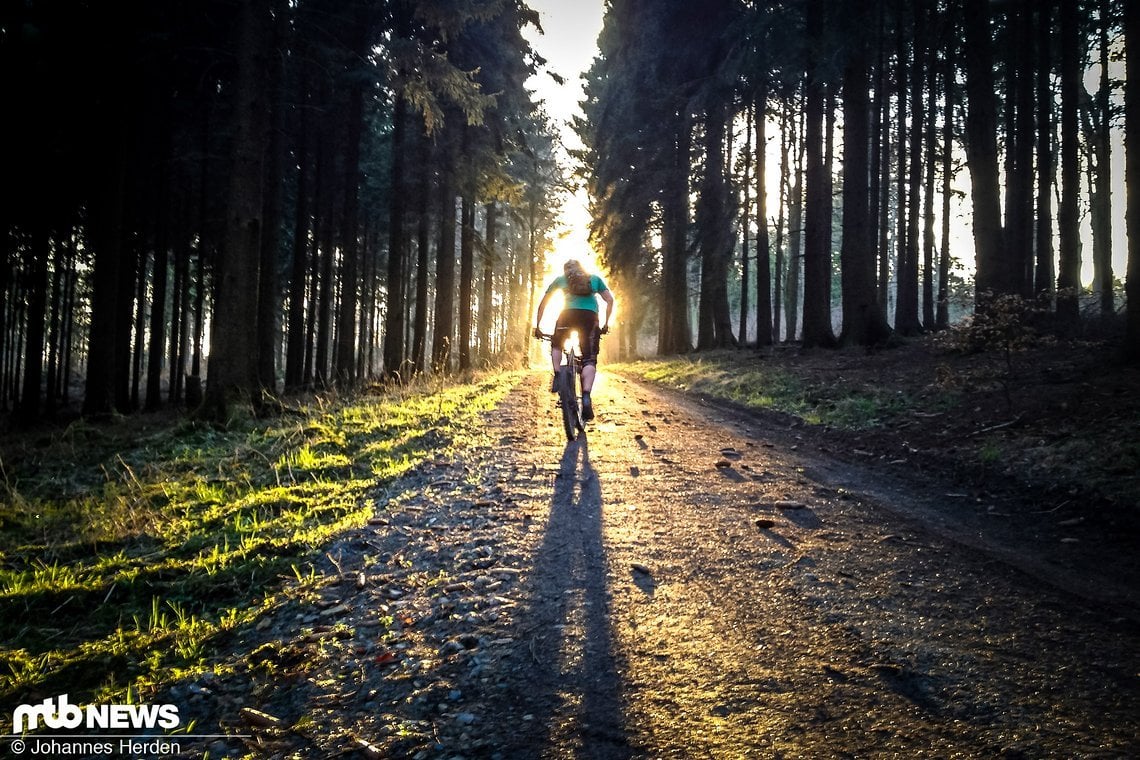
{"x": 128, "y": 552}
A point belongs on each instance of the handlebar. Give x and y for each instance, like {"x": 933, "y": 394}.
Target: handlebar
{"x": 550, "y": 336}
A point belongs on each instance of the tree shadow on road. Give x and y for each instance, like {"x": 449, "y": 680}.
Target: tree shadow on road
{"x": 569, "y": 693}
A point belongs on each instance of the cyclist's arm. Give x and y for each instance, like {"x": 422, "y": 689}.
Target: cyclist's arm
{"x": 541, "y": 308}
{"x": 608, "y": 297}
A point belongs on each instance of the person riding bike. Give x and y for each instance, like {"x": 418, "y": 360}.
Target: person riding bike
{"x": 579, "y": 314}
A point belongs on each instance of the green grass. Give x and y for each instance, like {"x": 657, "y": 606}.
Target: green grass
{"x": 989, "y": 453}
{"x": 128, "y": 554}
{"x": 756, "y": 385}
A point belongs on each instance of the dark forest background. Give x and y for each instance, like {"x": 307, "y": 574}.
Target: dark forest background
{"x": 320, "y": 193}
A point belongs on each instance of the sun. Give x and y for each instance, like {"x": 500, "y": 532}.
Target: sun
{"x": 573, "y": 242}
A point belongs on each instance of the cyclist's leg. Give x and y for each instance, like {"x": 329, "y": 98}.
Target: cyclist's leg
{"x": 589, "y": 371}
{"x": 589, "y": 329}
{"x": 557, "y": 346}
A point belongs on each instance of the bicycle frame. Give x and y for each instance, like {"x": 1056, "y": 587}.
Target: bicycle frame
{"x": 567, "y": 387}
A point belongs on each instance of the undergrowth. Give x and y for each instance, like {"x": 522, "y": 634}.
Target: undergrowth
{"x": 128, "y": 554}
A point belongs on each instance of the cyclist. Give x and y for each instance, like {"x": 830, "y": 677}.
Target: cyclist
{"x": 581, "y": 314}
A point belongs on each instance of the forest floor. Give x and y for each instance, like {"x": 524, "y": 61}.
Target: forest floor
{"x": 883, "y": 558}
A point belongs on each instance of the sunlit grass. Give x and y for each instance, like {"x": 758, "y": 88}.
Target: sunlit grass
{"x": 125, "y": 556}
{"x": 759, "y": 386}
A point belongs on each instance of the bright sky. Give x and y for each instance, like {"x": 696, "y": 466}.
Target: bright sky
{"x": 569, "y": 44}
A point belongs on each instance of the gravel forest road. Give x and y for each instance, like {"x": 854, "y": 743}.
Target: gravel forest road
{"x": 683, "y": 583}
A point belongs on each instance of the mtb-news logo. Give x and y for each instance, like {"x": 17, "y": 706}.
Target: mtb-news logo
{"x": 60, "y": 714}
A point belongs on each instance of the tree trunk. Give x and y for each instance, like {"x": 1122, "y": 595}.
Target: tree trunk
{"x": 51, "y": 385}
{"x": 320, "y": 222}
{"x": 906, "y": 307}
{"x": 158, "y": 319}
{"x": 206, "y": 236}
{"x": 778, "y": 274}
{"x": 981, "y": 148}
{"x": 725, "y": 240}
{"x": 346, "y": 344}
{"x": 393, "y": 321}
{"x": 7, "y": 301}
{"x": 233, "y": 349}
{"x": 1015, "y": 274}
{"x": 863, "y": 320}
{"x": 180, "y": 301}
{"x": 140, "y": 280}
{"x": 127, "y": 326}
{"x": 1069, "y": 269}
{"x": 533, "y": 264}
{"x": 675, "y": 335}
{"x": 68, "y": 325}
{"x": 744, "y": 217}
{"x": 269, "y": 295}
{"x": 1044, "y": 276}
{"x": 490, "y": 255}
{"x": 928, "y": 200}
{"x": 942, "y": 320}
{"x": 714, "y": 238}
{"x": 466, "y": 280}
{"x": 443, "y": 334}
{"x": 1021, "y": 206}
{"x": 795, "y": 235}
{"x": 158, "y": 315}
{"x": 817, "y": 219}
{"x": 880, "y": 151}
{"x": 194, "y": 391}
{"x": 37, "y": 278}
{"x": 763, "y": 253}
{"x": 181, "y": 243}
{"x": 1100, "y": 202}
{"x": 367, "y": 304}
{"x": 408, "y": 299}
{"x": 901, "y": 228}
{"x": 423, "y": 232}
{"x": 295, "y": 340}
{"x": 13, "y": 360}
{"x": 518, "y": 285}
{"x": 884, "y": 220}
{"x": 325, "y": 277}
{"x": 16, "y": 366}
{"x": 1132, "y": 176}
{"x": 397, "y": 240}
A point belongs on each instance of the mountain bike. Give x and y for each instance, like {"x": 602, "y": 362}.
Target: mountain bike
{"x": 566, "y": 384}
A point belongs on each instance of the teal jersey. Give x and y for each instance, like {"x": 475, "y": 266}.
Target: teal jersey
{"x": 590, "y": 302}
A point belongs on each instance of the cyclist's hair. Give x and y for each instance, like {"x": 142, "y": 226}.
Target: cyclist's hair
{"x": 573, "y": 265}
{"x": 577, "y": 278}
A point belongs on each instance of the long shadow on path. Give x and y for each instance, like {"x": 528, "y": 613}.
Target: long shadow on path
{"x": 568, "y": 695}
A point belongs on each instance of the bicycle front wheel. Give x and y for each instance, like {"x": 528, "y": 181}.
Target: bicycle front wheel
{"x": 568, "y": 400}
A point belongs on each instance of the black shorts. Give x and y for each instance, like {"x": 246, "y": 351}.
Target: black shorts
{"x": 585, "y": 323}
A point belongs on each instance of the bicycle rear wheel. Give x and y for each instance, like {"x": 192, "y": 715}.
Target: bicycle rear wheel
{"x": 568, "y": 400}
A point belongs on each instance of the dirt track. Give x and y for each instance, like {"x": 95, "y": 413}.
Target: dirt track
{"x": 678, "y": 586}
